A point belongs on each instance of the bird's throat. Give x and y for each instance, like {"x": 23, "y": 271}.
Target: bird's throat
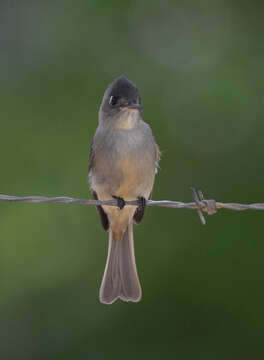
{"x": 128, "y": 119}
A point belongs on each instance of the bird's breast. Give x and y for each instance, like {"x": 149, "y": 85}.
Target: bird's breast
{"x": 125, "y": 164}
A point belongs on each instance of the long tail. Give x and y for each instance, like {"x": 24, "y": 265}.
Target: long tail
{"x": 120, "y": 278}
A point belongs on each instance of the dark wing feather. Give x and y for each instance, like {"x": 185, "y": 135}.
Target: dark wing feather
{"x": 103, "y": 216}
{"x": 138, "y": 216}
{"x": 91, "y": 157}
{"x": 139, "y": 213}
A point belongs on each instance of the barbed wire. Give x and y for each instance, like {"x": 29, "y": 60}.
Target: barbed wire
{"x": 200, "y": 203}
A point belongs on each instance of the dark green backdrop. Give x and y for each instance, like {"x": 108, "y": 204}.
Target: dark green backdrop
{"x": 199, "y": 66}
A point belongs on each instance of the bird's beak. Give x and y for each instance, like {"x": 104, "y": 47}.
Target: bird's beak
{"x": 134, "y": 106}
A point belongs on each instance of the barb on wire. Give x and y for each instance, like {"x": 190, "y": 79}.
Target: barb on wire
{"x": 200, "y": 203}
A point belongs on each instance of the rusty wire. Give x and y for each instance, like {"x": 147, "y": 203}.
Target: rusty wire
{"x": 200, "y": 203}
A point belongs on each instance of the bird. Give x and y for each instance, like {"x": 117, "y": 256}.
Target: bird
{"x": 124, "y": 159}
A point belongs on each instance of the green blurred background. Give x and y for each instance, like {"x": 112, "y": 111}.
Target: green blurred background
{"x": 199, "y": 66}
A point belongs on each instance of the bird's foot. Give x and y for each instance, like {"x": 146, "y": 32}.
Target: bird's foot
{"x": 120, "y": 201}
{"x": 142, "y": 202}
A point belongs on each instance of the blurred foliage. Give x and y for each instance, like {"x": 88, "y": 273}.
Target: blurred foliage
{"x": 199, "y": 66}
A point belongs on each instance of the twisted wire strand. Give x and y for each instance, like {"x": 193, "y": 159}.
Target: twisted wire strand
{"x": 200, "y": 204}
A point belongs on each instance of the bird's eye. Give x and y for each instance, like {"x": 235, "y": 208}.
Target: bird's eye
{"x": 113, "y": 100}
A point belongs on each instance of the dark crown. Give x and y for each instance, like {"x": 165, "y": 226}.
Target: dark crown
{"x": 122, "y": 87}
